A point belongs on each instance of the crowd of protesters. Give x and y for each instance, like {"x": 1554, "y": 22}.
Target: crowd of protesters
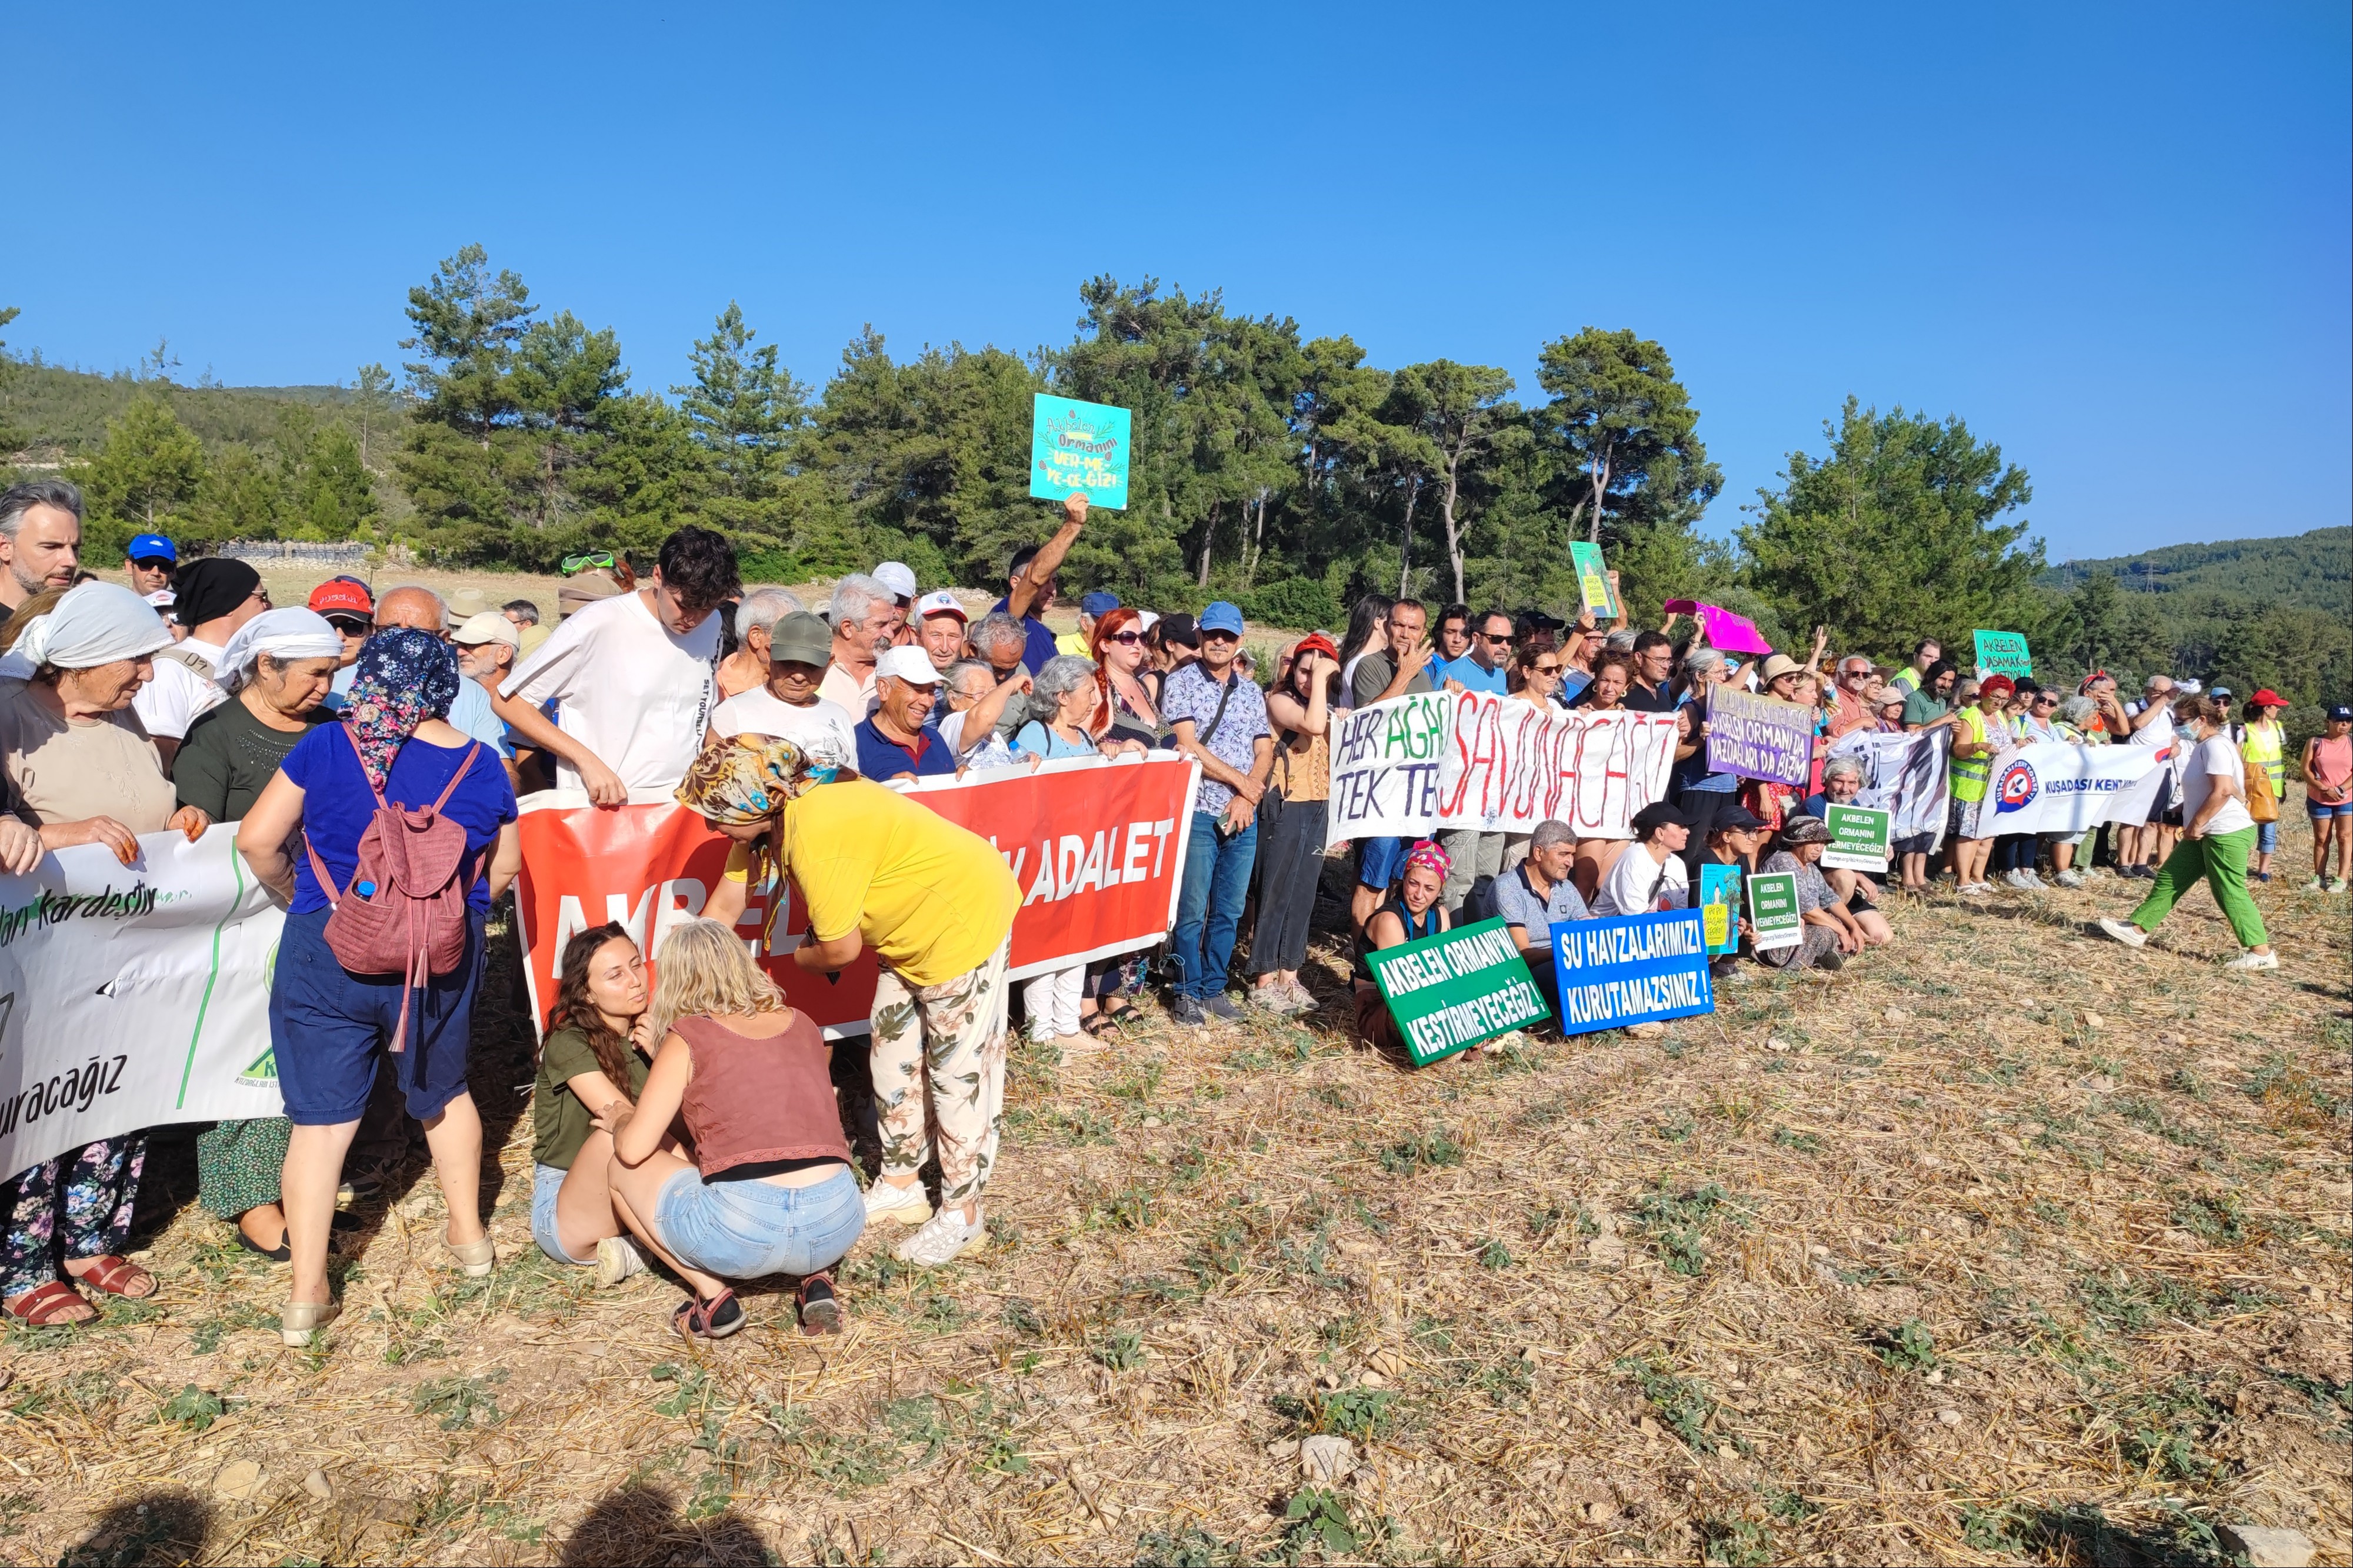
{"x": 373, "y": 748}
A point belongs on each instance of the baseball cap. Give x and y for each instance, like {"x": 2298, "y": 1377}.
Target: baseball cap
{"x": 487, "y": 626}
{"x": 342, "y": 596}
{"x": 1098, "y": 604}
{"x": 1315, "y": 642}
{"x": 909, "y": 662}
{"x": 1737, "y": 818}
{"x": 2266, "y": 697}
{"x": 1657, "y": 814}
{"x": 151, "y": 546}
{"x": 2188, "y": 686}
{"x": 800, "y": 638}
{"x": 531, "y": 636}
{"x": 943, "y": 603}
{"x": 1179, "y": 629}
{"x": 2340, "y": 714}
{"x": 1221, "y": 617}
{"x": 897, "y": 576}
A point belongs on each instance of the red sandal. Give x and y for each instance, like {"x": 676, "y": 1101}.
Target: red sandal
{"x": 713, "y": 1320}
{"x": 820, "y": 1309}
{"x": 115, "y": 1275}
{"x": 44, "y": 1306}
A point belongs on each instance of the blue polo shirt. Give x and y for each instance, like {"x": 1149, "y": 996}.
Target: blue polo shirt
{"x": 1472, "y": 674}
{"x": 881, "y": 758}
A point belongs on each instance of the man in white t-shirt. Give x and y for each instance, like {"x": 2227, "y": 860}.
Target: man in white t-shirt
{"x": 2140, "y": 849}
{"x": 216, "y": 596}
{"x": 631, "y": 676}
{"x": 2217, "y": 833}
{"x": 867, "y": 621}
{"x": 788, "y": 706}
{"x": 1649, "y": 875}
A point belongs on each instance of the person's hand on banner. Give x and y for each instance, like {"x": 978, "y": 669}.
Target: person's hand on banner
{"x": 93, "y": 830}
{"x": 604, "y": 785}
{"x": 190, "y": 820}
{"x": 20, "y": 846}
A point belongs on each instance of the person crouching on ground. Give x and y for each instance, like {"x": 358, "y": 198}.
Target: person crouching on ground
{"x": 1831, "y": 935}
{"x": 593, "y": 1064}
{"x": 769, "y": 1190}
{"x": 2217, "y": 832}
{"x": 936, "y": 904}
{"x": 1410, "y": 913}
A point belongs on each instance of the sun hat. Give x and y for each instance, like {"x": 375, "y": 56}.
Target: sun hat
{"x": 897, "y": 576}
{"x": 942, "y": 602}
{"x": 1801, "y": 828}
{"x": 909, "y": 662}
{"x": 487, "y": 626}
{"x": 800, "y": 638}
{"x": 585, "y": 589}
{"x": 1221, "y": 617}
{"x": 1776, "y": 665}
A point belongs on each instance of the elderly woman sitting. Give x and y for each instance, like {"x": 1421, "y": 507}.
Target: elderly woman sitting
{"x": 1831, "y": 934}
{"x": 81, "y": 770}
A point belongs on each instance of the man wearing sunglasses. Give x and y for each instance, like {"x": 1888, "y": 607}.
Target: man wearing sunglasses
{"x": 1856, "y": 679}
{"x": 1219, "y": 718}
{"x": 1477, "y": 856}
{"x": 632, "y": 676}
{"x": 215, "y": 597}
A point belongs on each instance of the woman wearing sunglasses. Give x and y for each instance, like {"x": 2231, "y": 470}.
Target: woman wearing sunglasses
{"x": 1121, "y": 656}
{"x": 1535, "y": 674}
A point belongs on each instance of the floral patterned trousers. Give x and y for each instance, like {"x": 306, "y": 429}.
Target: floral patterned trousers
{"x": 938, "y": 1061}
{"x": 76, "y": 1206}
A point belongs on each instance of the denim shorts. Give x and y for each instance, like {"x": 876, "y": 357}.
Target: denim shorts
{"x": 2266, "y": 837}
{"x": 1378, "y": 860}
{"x": 328, "y": 1025}
{"x": 2322, "y": 813}
{"x": 746, "y": 1230}
{"x": 545, "y": 1180}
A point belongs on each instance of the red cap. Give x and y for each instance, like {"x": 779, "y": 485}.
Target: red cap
{"x": 1315, "y": 642}
{"x": 338, "y": 597}
{"x": 2267, "y": 698}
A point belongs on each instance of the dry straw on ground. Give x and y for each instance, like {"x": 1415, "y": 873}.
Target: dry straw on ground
{"x": 2006, "y": 1244}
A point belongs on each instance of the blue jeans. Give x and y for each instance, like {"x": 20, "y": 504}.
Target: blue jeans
{"x": 750, "y": 1229}
{"x": 1209, "y": 904}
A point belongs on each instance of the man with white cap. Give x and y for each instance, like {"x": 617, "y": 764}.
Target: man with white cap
{"x": 897, "y": 739}
{"x": 900, "y": 578}
{"x": 487, "y": 644}
{"x": 942, "y": 620}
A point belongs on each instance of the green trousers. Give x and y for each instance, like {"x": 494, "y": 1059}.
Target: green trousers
{"x": 2222, "y": 859}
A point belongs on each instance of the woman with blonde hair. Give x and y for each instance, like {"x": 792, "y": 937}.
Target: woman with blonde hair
{"x": 769, "y": 1190}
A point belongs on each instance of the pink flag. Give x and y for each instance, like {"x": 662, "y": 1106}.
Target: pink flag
{"x": 1725, "y": 631}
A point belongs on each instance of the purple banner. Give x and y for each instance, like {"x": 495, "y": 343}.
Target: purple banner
{"x": 1759, "y": 737}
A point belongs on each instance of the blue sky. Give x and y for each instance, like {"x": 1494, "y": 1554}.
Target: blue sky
{"x": 2114, "y": 240}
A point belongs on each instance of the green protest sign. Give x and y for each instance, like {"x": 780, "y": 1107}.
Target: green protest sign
{"x": 1858, "y": 838}
{"x": 1774, "y": 918}
{"x": 1079, "y": 449}
{"x": 1593, "y": 581}
{"x": 1450, "y": 991}
{"x": 2003, "y": 653}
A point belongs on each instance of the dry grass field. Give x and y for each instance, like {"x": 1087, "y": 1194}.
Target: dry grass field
{"x": 2007, "y": 1245}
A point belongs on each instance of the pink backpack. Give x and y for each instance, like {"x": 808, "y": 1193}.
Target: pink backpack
{"x": 408, "y": 916}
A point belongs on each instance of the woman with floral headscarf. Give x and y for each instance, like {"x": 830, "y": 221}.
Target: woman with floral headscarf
{"x": 393, "y": 745}
{"x": 1409, "y": 914}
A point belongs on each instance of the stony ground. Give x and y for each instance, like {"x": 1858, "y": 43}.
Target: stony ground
{"x": 2008, "y": 1245}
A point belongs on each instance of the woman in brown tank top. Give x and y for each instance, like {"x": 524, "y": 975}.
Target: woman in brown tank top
{"x": 770, "y": 1189}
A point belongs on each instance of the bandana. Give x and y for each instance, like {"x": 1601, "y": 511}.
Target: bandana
{"x": 1429, "y": 855}
{"x": 403, "y": 676}
{"x": 749, "y": 778}
{"x": 282, "y": 635}
{"x": 97, "y": 623}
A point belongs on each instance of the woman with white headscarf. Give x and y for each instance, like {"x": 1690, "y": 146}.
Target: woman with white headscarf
{"x": 276, "y": 669}
{"x": 80, "y": 768}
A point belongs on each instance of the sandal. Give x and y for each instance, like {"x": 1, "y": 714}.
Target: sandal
{"x": 713, "y": 1320}
{"x": 299, "y": 1321}
{"x": 116, "y": 1276}
{"x": 1095, "y": 1024}
{"x": 45, "y": 1306}
{"x": 820, "y": 1309}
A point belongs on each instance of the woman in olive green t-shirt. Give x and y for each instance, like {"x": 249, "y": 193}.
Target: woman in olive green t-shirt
{"x": 594, "y": 1058}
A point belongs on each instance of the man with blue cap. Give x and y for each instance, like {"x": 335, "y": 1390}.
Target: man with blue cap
{"x": 1219, "y": 718}
{"x": 1092, "y": 608}
{"x": 151, "y": 559}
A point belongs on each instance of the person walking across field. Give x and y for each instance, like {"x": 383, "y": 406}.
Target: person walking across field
{"x": 2217, "y": 833}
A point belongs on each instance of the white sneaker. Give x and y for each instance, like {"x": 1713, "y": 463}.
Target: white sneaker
{"x": 944, "y": 1239}
{"x": 2124, "y": 931}
{"x": 617, "y": 1259}
{"x": 2255, "y": 961}
{"x": 2034, "y": 880}
{"x": 2017, "y": 880}
{"x": 2071, "y": 877}
{"x": 900, "y": 1206}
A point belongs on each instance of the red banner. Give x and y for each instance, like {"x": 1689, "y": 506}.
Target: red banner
{"x": 1098, "y": 848}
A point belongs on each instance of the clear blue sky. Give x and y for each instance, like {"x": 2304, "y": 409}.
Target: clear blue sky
{"x": 2114, "y": 240}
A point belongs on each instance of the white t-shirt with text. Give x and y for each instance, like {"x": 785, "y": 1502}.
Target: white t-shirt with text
{"x": 1637, "y": 885}
{"x": 627, "y": 688}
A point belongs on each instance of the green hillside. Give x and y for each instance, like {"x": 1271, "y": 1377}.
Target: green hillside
{"x": 51, "y": 412}
{"x": 2312, "y": 571}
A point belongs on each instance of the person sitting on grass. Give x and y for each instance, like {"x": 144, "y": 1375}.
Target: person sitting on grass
{"x": 1410, "y": 913}
{"x": 769, "y": 1190}
{"x": 593, "y": 1064}
{"x": 2217, "y": 833}
{"x": 1831, "y": 935}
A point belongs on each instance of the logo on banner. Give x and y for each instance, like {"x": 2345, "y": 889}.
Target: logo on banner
{"x": 2017, "y": 789}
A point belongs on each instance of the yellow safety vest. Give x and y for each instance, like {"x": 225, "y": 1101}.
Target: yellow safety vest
{"x": 2260, "y": 748}
{"x": 1969, "y": 775}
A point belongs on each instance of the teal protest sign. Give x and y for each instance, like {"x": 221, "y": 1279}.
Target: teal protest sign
{"x": 2003, "y": 653}
{"x": 1450, "y": 991}
{"x": 1079, "y": 449}
{"x": 1719, "y": 906}
{"x": 1775, "y": 920}
{"x": 1593, "y": 581}
{"x": 1858, "y": 838}
{"x": 1632, "y": 969}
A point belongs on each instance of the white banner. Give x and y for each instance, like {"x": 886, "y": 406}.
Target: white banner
{"x": 2048, "y": 788}
{"x": 1904, "y": 775}
{"x": 1414, "y": 766}
{"x": 133, "y": 996}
